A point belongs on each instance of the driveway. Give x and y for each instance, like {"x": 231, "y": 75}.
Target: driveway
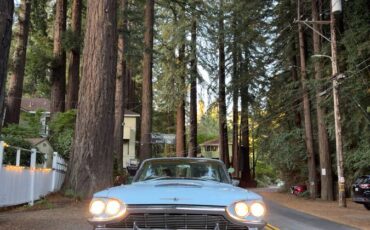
{"x": 71, "y": 217}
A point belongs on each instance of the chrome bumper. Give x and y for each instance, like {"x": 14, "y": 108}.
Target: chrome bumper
{"x": 176, "y": 209}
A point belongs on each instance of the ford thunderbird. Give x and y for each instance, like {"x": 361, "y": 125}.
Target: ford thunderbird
{"x": 178, "y": 193}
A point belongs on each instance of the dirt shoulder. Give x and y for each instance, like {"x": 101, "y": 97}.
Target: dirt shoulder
{"x": 354, "y": 215}
{"x": 54, "y": 212}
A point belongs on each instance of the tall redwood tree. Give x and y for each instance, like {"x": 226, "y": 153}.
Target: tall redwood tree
{"x": 193, "y": 144}
{"x": 74, "y": 58}
{"x": 324, "y": 151}
{"x": 120, "y": 86}
{"x": 147, "y": 86}
{"x": 6, "y": 22}
{"x": 58, "y": 71}
{"x": 16, "y": 81}
{"x": 91, "y": 162}
{"x": 222, "y": 120}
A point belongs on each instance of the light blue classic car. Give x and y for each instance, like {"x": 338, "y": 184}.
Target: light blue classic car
{"x": 178, "y": 193}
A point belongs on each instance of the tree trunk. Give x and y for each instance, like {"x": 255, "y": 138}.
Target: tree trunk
{"x": 6, "y": 22}
{"x": 16, "y": 81}
{"x": 58, "y": 72}
{"x": 74, "y": 58}
{"x": 222, "y": 119}
{"x": 180, "y": 112}
{"x": 235, "y": 85}
{"x": 324, "y": 152}
{"x": 193, "y": 144}
{"x": 120, "y": 84}
{"x": 91, "y": 163}
{"x": 294, "y": 74}
{"x": 307, "y": 117}
{"x": 245, "y": 180}
{"x": 147, "y": 87}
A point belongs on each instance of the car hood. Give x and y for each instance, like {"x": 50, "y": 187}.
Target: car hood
{"x": 178, "y": 192}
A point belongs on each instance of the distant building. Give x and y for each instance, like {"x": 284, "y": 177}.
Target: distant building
{"x": 129, "y": 138}
{"x": 210, "y": 149}
{"x": 32, "y": 105}
{"x": 43, "y": 145}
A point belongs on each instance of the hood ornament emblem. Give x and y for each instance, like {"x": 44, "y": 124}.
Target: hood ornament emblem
{"x": 172, "y": 198}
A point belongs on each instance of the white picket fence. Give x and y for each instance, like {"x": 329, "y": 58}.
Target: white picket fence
{"x": 19, "y": 184}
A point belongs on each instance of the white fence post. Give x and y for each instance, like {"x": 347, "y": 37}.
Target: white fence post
{"x": 33, "y": 168}
{"x": 1, "y": 153}
{"x": 18, "y": 158}
{"x": 54, "y": 173}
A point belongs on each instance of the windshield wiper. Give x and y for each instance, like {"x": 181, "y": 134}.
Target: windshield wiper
{"x": 203, "y": 178}
{"x": 157, "y": 178}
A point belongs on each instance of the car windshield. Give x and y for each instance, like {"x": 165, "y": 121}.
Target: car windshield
{"x": 186, "y": 169}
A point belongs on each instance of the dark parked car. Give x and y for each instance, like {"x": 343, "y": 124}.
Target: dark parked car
{"x": 361, "y": 191}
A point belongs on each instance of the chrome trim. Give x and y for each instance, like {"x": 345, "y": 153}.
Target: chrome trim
{"x": 179, "y": 209}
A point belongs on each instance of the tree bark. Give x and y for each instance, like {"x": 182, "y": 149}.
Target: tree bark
{"x": 295, "y": 79}
{"x": 222, "y": 119}
{"x": 235, "y": 85}
{"x": 91, "y": 163}
{"x": 6, "y": 22}
{"x": 193, "y": 143}
{"x": 74, "y": 58}
{"x": 324, "y": 152}
{"x": 180, "y": 112}
{"x": 58, "y": 72}
{"x": 147, "y": 87}
{"x": 16, "y": 81}
{"x": 307, "y": 117}
{"x": 245, "y": 180}
{"x": 120, "y": 87}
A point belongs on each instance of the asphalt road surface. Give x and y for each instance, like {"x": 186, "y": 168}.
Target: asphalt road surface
{"x": 290, "y": 219}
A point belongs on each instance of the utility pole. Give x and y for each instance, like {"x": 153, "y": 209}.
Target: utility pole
{"x": 337, "y": 119}
{"x": 336, "y": 7}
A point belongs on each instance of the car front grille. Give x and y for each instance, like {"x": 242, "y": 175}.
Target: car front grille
{"x": 176, "y": 221}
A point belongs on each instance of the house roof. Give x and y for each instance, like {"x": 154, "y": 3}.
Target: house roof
{"x": 36, "y": 141}
{"x": 34, "y": 104}
{"x": 129, "y": 113}
{"x": 214, "y": 142}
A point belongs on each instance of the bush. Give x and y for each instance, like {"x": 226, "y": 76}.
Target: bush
{"x": 62, "y": 132}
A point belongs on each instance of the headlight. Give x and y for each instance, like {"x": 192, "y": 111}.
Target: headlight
{"x": 104, "y": 209}
{"x": 247, "y": 211}
{"x": 241, "y": 209}
{"x": 97, "y": 207}
{"x": 113, "y": 208}
{"x": 257, "y": 209}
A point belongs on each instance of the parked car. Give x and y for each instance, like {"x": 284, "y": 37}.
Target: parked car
{"x": 298, "y": 189}
{"x": 178, "y": 193}
{"x": 361, "y": 191}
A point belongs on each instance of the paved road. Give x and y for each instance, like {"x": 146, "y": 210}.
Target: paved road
{"x": 289, "y": 219}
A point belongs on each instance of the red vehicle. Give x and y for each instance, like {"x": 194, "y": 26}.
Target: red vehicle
{"x": 298, "y": 189}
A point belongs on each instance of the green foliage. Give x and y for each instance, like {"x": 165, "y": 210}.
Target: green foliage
{"x": 70, "y": 40}
{"x": 29, "y": 126}
{"x": 207, "y": 128}
{"x": 62, "y": 132}
{"x": 39, "y": 58}
{"x": 357, "y": 161}
{"x": 15, "y": 135}
{"x": 265, "y": 174}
